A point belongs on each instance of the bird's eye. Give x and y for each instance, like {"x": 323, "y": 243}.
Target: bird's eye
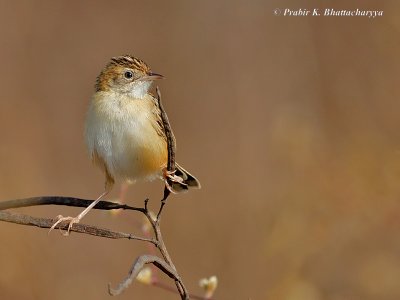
{"x": 128, "y": 75}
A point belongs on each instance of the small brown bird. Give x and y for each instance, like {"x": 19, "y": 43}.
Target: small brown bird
{"x": 124, "y": 131}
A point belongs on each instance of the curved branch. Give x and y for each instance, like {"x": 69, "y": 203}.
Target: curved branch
{"x": 137, "y": 266}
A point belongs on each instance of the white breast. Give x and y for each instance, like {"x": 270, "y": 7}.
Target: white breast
{"x": 120, "y": 130}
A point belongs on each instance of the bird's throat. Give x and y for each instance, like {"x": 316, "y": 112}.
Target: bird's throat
{"x": 140, "y": 89}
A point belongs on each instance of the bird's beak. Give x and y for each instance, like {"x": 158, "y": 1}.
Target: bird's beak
{"x": 152, "y": 76}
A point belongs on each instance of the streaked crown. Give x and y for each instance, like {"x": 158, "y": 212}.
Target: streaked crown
{"x": 121, "y": 70}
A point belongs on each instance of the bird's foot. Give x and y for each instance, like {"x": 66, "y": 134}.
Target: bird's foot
{"x": 60, "y": 219}
{"x": 169, "y": 176}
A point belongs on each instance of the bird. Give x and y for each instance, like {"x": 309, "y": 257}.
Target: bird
{"x": 124, "y": 132}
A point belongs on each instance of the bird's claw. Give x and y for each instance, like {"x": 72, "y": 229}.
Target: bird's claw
{"x": 72, "y": 221}
{"x": 169, "y": 176}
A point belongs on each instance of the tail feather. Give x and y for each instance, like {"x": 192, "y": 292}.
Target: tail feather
{"x": 189, "y": 181}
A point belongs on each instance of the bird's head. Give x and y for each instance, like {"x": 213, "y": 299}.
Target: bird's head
{"x": 126, "y": 75}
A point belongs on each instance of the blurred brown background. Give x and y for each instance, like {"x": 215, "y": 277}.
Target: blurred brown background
{"x": 290, "y": 123}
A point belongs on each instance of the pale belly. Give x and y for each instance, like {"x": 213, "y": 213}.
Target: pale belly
{"x": 137, "y": 154}
{"x": 129, "y": 146}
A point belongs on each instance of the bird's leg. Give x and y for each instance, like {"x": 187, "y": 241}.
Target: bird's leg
{"x": 73, "y": 220}
{"x": 123, "y": 191}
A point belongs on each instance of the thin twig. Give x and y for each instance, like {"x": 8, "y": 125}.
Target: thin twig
{"x": 171, "y": 141}
{"x": 171, "y": 144}
{"x": 172, "y": 290}
{"x": 65, "y": 201}
{"x": 22, "y": 219}
{"x": 155, "y": 223}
